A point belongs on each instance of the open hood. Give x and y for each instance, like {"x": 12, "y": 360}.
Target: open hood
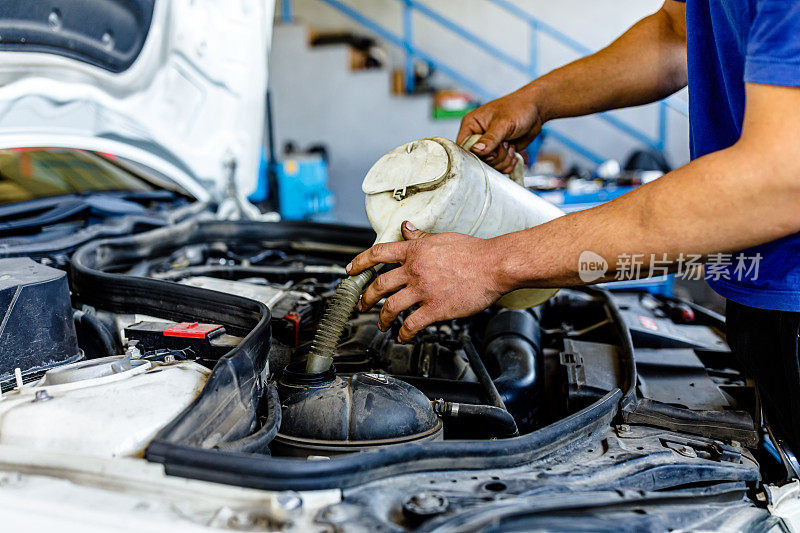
{"x": 176, "y": 85}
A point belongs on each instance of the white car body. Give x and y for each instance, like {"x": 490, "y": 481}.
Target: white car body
{"x": 191, "y": 103}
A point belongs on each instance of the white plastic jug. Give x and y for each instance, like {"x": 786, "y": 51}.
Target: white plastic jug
{"x": 440, "y": 187}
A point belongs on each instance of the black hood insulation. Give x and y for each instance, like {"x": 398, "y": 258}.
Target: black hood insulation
{"x": 108, "y": 34}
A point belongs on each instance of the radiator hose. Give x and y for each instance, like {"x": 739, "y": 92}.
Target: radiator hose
{"x": 499, "y": 421}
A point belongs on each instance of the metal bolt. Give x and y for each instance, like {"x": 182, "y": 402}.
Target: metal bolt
{"x": 54, "y": 20}
{"x": 42, "y": 396}
{"x": 289, "y": 501}
{"x": 108, "y": 40}
{"x": 623, "y": 428}
{"x": 686, "y": 451}
{"x": 423, "y": 505}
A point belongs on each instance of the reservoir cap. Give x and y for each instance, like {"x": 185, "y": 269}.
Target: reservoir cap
{"x": 420, "y": 164}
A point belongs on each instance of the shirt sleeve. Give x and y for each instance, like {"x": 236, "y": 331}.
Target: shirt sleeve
{"x": 773, "y": 47}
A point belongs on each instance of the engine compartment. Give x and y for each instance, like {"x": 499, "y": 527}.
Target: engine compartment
{"x": 257, "y": 291}
{"x": 590, "y": 391}
{"x": 377, "y": 381}
{"x": 295, "y": 280}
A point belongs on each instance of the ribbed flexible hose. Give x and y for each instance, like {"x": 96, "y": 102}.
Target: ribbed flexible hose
{"x": 335, "y": 319}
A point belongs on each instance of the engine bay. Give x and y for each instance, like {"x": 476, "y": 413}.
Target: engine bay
{"x": 437, "y": 377}
{"x": 190, "y": 342}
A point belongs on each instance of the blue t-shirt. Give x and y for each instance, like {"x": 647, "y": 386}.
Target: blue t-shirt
{"x": 731, "y": 42}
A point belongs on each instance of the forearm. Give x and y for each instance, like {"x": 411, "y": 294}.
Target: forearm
{"x": 645, "y": 64}
{"x": 724, "y": 202}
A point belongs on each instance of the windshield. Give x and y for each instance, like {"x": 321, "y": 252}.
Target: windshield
{"x": 31, "y": 173}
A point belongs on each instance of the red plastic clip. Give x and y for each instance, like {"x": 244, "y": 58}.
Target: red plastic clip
{"x": 191, "y": 330}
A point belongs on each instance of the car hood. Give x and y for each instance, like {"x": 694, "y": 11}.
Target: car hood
{"x": 178, "y": 86}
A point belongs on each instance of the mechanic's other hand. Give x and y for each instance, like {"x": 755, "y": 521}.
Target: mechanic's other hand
{"x": 450, "y": 275}
{"x": 507, "y": 125}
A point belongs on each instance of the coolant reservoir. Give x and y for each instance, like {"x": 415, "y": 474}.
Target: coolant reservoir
{"x": 108, "y": 407}
{"x": 442, "y": 187}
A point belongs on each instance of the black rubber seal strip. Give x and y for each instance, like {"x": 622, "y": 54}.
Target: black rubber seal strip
{"x": 278, "y": 473}
{"x": 185, "y": 447}
{"x": 629, "y": 400}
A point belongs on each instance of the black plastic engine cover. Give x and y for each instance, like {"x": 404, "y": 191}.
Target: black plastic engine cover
{"x": 36, "y": 325}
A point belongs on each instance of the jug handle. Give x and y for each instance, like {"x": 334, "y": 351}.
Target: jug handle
{"x": 516, "y": 175}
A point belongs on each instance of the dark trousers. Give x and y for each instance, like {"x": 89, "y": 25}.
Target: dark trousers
{"x": 766, "y": 345}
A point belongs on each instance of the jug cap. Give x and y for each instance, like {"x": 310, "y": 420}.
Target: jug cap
{"x": 421, "y": 165}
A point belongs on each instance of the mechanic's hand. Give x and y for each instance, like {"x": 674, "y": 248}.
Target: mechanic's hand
{"x": 508, "y": 125}
{"x": 450, "y": 275}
